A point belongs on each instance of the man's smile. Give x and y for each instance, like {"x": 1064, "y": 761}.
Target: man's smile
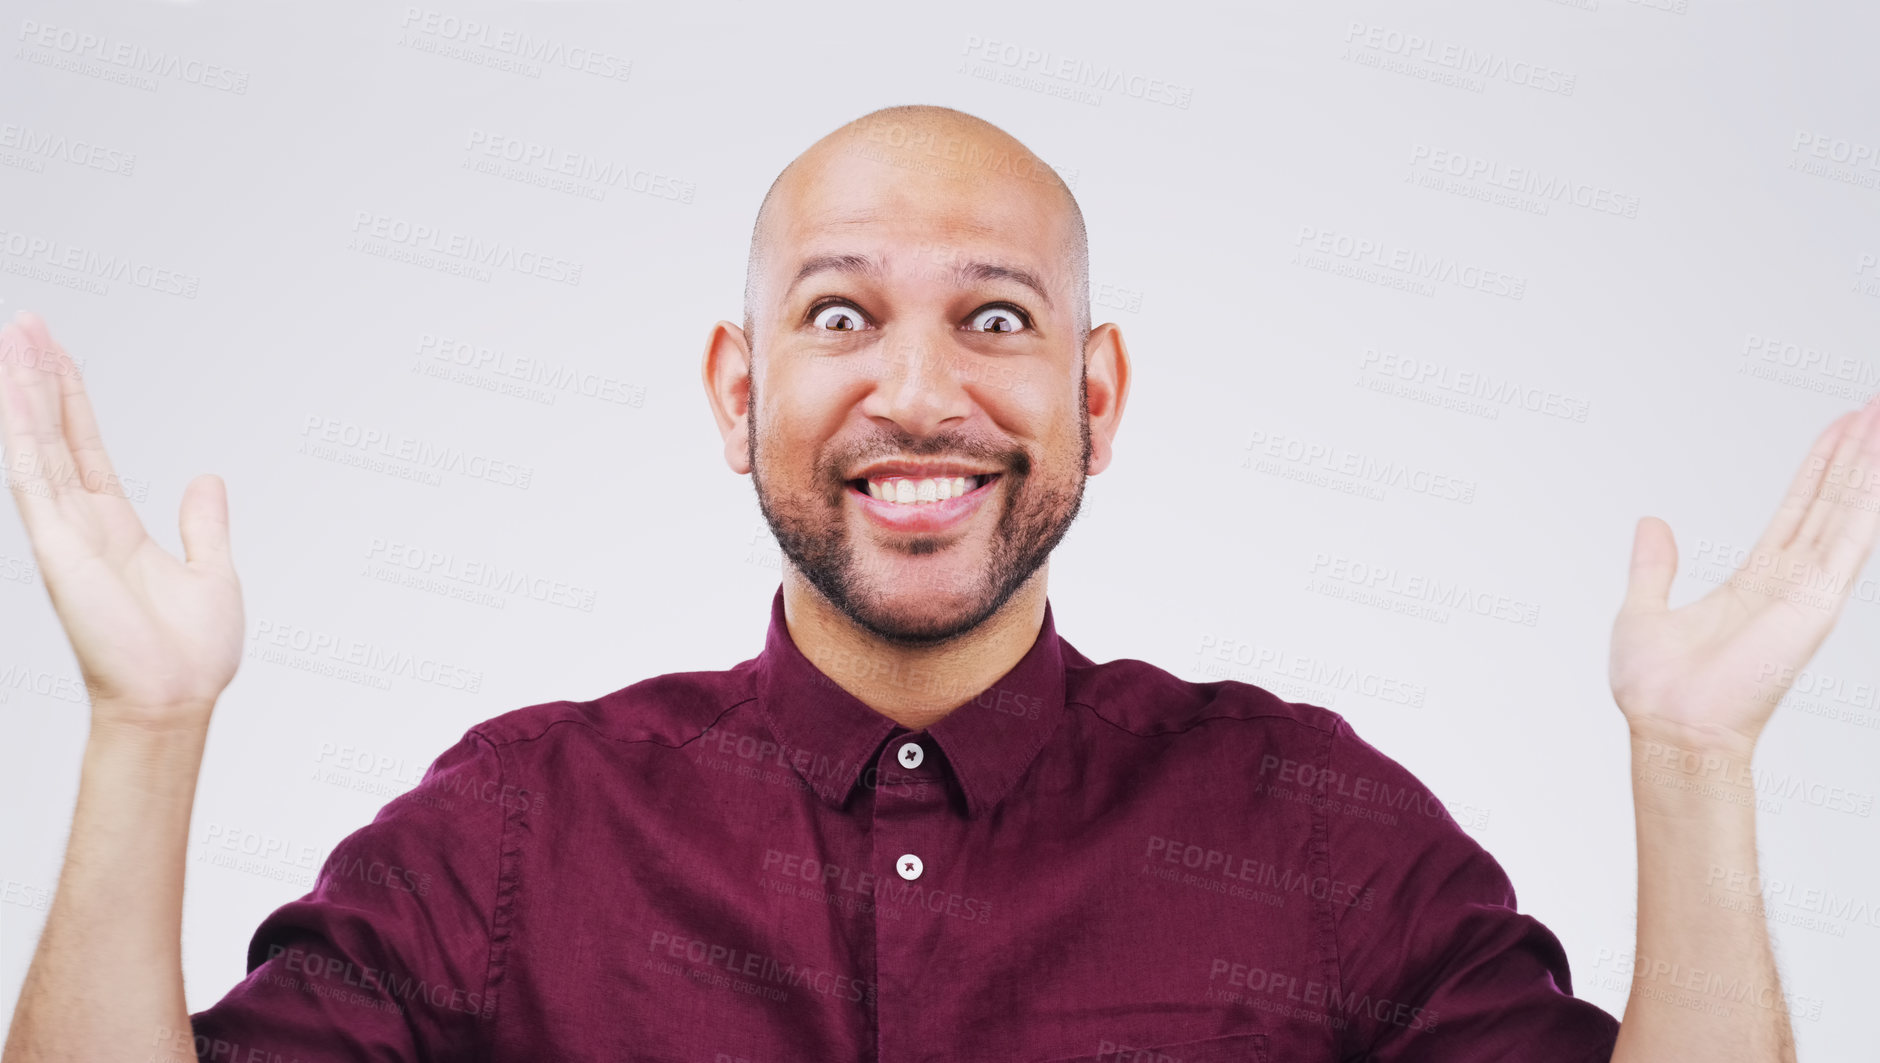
{"x": 911, "y": 490}
{"x": 921, "y": 504}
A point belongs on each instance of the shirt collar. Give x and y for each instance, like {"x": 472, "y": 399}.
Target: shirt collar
{"x": 829, "y": 736}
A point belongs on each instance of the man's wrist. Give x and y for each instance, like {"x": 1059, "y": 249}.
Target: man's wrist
{"x": 1703, "y": 741}
{"x": 1690, "y": 776}
{"x": 149, "y": 733}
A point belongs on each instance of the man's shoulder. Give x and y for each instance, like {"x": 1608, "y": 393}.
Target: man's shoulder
{"x": 670, "y": 709}
{"x": 1145, "y": 699}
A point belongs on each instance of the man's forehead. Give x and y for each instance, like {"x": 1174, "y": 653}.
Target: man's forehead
{"x": 916, "y": 236}
{"x": 838, "y": 182}
{"x": 890, "y": 214}
{"x": 976, "y": 212}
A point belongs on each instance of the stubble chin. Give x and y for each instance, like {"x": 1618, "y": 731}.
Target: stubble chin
{"x": 922, "y": 597}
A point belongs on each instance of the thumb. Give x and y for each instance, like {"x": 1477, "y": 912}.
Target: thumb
{"x": 203, "y": 521}
{"x": 1654, "y": 565}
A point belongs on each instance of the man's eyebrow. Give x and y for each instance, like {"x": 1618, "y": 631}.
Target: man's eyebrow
{"x": 833, "y": 264}
{"x": 965, "y": 275}
{"x": 972, "y": 273}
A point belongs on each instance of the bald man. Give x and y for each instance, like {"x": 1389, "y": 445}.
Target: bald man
{"x": 919, "y": 824}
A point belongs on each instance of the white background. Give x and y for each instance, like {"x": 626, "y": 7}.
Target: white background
{"x": 1699, "y": 122}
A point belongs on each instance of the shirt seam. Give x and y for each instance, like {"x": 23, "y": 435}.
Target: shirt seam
{"x": 598, "y": 733}
{"x": 509, "y": 868}
{"x": 1322, "y": 842}
{"x": 1004, "y": 784}
{"x": 1308, "y": 724}
{"x": 502, "y": 911}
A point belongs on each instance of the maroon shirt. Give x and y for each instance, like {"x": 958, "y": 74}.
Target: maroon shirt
{"x": 1087, "y": 861}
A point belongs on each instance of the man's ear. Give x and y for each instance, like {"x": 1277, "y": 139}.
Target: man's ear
{"x": 1106, "y": 388}
{"x": 727, "y": 375}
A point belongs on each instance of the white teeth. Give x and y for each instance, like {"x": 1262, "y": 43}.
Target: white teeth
{"x": 900, "y": 489}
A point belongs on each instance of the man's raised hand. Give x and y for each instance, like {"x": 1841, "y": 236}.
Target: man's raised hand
{"x": 157, "y": 639}
{"x": 1709, "y": 674}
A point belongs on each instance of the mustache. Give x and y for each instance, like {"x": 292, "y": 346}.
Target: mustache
{"x": 1013, "y": 459}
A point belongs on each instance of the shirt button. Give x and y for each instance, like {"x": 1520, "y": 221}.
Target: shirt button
{"x": 908, "y": 866}
{"x": 912, "y": 755}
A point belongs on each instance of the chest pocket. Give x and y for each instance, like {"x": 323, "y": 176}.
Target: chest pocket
{"x": 1234, "y": 1048}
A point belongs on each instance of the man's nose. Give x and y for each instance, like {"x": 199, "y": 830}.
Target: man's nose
{"x": 917, "y": 383}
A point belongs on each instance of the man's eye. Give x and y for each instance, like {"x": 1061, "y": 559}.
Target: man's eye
{"x": 997, "y": 319}
{"x": 838, "y": 317}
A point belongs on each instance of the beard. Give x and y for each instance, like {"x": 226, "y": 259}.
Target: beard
{"x": 812, "y": 530}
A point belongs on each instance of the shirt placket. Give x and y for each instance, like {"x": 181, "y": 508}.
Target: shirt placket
{"x": 916, "y": 842}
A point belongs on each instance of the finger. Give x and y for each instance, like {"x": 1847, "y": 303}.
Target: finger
{"x": 35, "y": 448}
{"x": 203, "y": 521}
{"x": 1803, "y": 487}
{"x": 82, "y": 438}
{"x": 1822, "y": 507}
{"x": 1654, "y": 565}
{"x": 1848, "y": 540}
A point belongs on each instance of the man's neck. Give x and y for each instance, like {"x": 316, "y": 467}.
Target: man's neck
{"x": 913, "y": 686}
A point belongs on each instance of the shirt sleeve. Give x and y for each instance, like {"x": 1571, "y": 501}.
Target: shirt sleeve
{"x": 1435, "y": 963}
{"x": 389, "y": 956}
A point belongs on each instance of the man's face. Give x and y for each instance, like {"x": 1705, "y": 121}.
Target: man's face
{"x": 908, "y": 361}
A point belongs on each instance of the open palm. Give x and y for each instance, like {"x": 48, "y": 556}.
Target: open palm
{"x": 1712, "y": 671}
{"x": 156, "y": 638}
